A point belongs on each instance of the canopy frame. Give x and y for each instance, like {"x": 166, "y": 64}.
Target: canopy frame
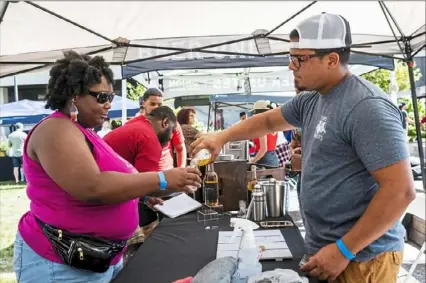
{"x": 409, "y": 54}
{"x": 403, "y": 41}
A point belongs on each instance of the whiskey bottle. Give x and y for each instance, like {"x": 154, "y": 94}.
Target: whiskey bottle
{"x": 211, "y": 186}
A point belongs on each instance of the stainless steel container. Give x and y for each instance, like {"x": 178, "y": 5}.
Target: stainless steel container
{"x": 275, "y": 196}
{"x": 225, "y": 157}
{"x": 239, "y": 149}
{"x": 258, "y": 206}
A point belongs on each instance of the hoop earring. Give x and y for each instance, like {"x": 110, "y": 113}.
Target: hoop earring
{"x": 73, "y": 112}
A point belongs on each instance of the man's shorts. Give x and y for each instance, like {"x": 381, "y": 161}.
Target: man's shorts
{"x": 382, "y": 269}
{"x": 17, "y": 162}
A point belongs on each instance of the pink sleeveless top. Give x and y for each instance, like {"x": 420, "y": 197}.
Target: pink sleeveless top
{"x": 54, "y": 206}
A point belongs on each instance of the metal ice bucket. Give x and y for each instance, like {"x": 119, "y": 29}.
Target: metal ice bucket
{"x": 275, "y": 195}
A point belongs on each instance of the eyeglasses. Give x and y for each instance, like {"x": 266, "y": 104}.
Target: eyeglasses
{"x": 297, "y": 60}
{"x": 102, "y": 96}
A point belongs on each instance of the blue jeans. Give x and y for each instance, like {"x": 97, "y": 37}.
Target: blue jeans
{"x": 270, "y": 159}
{"x": 30, "y": 267}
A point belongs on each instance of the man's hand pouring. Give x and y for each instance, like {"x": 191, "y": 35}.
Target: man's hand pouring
{"x": 213, "y": 142}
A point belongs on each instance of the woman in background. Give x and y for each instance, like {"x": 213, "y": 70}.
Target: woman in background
{"x": 265, "y": 146}
{"x": 78, "y": 185}
{"x": 186, "y": 119}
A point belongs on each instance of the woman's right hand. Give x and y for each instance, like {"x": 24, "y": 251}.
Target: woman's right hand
{"x": 178, "y": 179}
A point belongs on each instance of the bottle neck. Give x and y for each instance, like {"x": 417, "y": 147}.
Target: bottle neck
{"x": 210, "y": 167}
{"x": 253, "y": 173}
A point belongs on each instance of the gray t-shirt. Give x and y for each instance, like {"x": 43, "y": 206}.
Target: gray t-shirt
{"x": 350, "y": 131}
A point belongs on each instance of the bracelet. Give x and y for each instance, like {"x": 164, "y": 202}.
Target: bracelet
{"x": 344, "y": 250}
{"x": 145, "y": 199}
{"x": 163, "y": 182}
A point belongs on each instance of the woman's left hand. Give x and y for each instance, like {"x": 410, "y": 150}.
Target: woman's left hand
{"x": 152, "y": 201}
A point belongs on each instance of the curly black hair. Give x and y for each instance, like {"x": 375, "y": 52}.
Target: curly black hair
{"x": 73, "y": 75}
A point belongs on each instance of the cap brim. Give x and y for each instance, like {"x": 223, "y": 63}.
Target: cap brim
{"x": 258, "y": 109}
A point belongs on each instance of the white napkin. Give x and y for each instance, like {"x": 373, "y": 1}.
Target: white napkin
{"x": 279, "y": 276}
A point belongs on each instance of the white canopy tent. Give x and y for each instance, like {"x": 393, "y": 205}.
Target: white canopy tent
{"x": 211, "y": 34}
{"x": 36, "y": 33}
{"x": 29, "y": 29}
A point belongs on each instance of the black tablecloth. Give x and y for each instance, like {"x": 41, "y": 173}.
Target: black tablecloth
{"x": 6, "y": 169}
{"x": 180, "y": 247}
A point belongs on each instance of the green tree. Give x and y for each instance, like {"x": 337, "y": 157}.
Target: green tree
{"x": 135, "y": 92}
{"x": 410, "y": 111}
{"x": 382, "y": 77}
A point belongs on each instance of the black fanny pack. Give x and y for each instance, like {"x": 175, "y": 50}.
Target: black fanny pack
{"x": 82, "y": 251}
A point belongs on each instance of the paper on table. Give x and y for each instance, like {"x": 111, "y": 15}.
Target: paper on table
{"x": 178, "y": 206}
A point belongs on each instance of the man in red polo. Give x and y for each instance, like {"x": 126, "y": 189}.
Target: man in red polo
{"x": 153, "y": 98}
{"x": 141, "y": 139}
{"x": 140, "y": 142}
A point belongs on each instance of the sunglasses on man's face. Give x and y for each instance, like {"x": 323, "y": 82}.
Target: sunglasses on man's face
{"x": 102, "y": 96}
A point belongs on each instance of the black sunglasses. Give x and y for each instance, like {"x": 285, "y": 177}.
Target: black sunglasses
{"x": 102, "y": 96}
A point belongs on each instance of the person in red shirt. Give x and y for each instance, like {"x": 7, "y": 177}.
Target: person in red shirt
{"x": 140, "y": 142}
{"x": 265, "y": 146}
{"x": 153, "y": 98}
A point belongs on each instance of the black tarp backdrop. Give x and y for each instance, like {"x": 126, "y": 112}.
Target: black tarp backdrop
{"x": 409, "y": 45}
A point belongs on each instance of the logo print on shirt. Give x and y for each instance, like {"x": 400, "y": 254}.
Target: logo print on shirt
{"x": 320, "y": 129}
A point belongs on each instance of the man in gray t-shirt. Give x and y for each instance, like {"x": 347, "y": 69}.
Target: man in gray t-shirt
{"x": 356, "y": 180}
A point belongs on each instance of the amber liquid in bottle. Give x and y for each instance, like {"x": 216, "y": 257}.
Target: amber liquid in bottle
{"x": 211, "y": 186}
{"x": 253, "y": 178}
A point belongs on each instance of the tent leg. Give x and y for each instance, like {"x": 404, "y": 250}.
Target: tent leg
{"x": 123, "y": 101}
{"x": 215, "y": 116}
{"x": 417, "y": 120}
{"x": 15, "y": 88}
{"x": 208, "y": 117}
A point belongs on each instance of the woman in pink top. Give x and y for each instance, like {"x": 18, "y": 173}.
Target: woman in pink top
{"x": 78, "y": 185}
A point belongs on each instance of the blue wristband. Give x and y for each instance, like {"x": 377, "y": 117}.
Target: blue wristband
{"x": 344, "y": 250}
{"x": 145, "y": 199}
{"x": 163, "y": 182}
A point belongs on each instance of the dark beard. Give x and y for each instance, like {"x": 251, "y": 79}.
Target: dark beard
{"x": 299, "y": 88}
{"x": 164, "y": 137}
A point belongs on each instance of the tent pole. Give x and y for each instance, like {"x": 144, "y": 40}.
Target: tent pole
{"x": 418, "y": 50}
{"x": 208, "y": 117}
{"x": 4, "y": 7}
{"x": 15, "y": 88}
{"x": 408, "y": 56}
{"x": 417, "y": 120}
{"x": 48, "y": 64}
{"x": 215, "y": 116}
{"x": 123, "y": 101}
{"x": 393, "y": 19}
{"x": 198, "y": 49}
{"x": 384, "y": 10}
{"x": 289, "y": 19}
{"x": 189, "y": 50}
{"x": 69, "y": 21}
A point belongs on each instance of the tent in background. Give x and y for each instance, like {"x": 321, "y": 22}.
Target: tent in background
{"x": 31, "y": 112}
{"x": 115, "y": 111}
{"x": 24, "y": 111}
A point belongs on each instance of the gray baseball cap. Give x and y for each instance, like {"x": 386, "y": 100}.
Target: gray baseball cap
{"x": 324, "y": 31}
